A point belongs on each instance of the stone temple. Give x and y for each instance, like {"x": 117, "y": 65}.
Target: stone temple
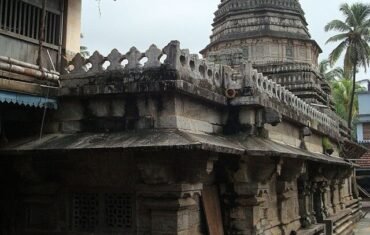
{"x": 273, "y": 35}
{"x": 161, "y": 142}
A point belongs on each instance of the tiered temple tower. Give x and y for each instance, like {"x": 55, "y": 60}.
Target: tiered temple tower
{"x": 273, "y": 35}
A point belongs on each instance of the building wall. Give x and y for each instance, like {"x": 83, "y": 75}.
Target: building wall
{"x": 27, "y": 51}
{"x": 366, "y": 131}
{"x": 365, "y": 84}
{"x": 364, "y": 101}
{"x": 363, "y": 126}
{"x": 163, "y": 192}
{"x": 360, "y": 132}
{"x": 20, "y": 30}
{"x": 72, "y": 26}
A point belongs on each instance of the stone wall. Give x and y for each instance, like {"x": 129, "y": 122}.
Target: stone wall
{"x": 161, "y": 192}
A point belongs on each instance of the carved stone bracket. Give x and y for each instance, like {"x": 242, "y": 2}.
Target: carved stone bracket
{"x": 288, "y": 172}
{"x": 162, "y": 171}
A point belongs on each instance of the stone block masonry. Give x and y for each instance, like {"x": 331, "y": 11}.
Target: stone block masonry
{"x": 142, "y": 139}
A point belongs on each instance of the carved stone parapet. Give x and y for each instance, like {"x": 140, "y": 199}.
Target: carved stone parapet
{"x": 201, "y": 73}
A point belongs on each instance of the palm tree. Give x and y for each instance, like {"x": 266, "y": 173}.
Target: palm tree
{"x": 83, "y": 49}
{"x": 329, "y": 74}
{"x": 354, "y": 38}
{"x": 342, "y": 94}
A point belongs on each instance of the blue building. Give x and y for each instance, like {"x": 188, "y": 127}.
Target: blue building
{"x": 363, "y": 126}
{"x": 363, "y": 137}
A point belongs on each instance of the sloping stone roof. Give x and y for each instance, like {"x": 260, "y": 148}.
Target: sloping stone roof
{"x": 169, "y": 139}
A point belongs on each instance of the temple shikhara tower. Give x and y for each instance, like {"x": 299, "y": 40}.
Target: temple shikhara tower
{"x": 273, "y": 35}
{"x": 161, "y": 142}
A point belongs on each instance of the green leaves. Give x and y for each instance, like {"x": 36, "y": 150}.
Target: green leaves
{"x": 354, "y": 38}
{"x": 337, "y": 25}
{"x": 329, "y": 74}
{"x": 342, "y": 93}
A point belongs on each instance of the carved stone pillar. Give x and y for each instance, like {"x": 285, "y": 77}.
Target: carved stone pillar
{"x": 305, "y": 195}
{"x": 330, "y": 173}
{"x": 325, "y": 190}
{"x": 311, "y": 208}
{"x": 288, "y": 171}
{"x": 341, "y": 184}
{"x": 350, "y": 191}
{"x": 345, "y": 185}
{"x": 247, "y": 196}
{"x": 319, "y": 201}
{"x": 168, "y": 196}
{"x": 336, "y": 202}
{"x": 171, "y": 209}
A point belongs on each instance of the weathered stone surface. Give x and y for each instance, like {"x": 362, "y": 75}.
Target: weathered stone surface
{"x": 134, "y": 146}
{"x": 273, "y": 35}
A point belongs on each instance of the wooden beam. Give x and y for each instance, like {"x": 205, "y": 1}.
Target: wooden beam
{"x": 27, "y": 88}
{"x": 212, "y": 209}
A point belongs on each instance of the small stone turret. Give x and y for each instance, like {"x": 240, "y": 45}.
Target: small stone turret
{"x": 273, "y": 35}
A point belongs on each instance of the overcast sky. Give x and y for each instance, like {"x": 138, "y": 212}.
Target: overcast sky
{"x": 126, "y": 23}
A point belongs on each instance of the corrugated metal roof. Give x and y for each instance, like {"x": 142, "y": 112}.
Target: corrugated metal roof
{"x": 152, "y": 140}
{"x": 27, "y": 100}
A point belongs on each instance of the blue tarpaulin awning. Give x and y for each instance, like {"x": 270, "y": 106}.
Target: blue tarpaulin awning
{"x": 27, "y": 100}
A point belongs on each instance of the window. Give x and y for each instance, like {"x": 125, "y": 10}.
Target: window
{"x": 366, "y": 127}
{"x": 109, "y": 212}
{"x": 24, "y": 19}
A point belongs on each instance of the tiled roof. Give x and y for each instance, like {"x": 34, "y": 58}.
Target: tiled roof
{"x": 364, "y": 161}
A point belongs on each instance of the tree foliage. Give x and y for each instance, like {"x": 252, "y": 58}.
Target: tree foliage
{"x": 330, "y": 74}
{"x": 83, "y": 49}
{"x": 342, "y": 93}
{"x": 353, "y": 41}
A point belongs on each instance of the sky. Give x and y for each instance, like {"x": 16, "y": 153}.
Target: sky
{"x": 122, "y": 24}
